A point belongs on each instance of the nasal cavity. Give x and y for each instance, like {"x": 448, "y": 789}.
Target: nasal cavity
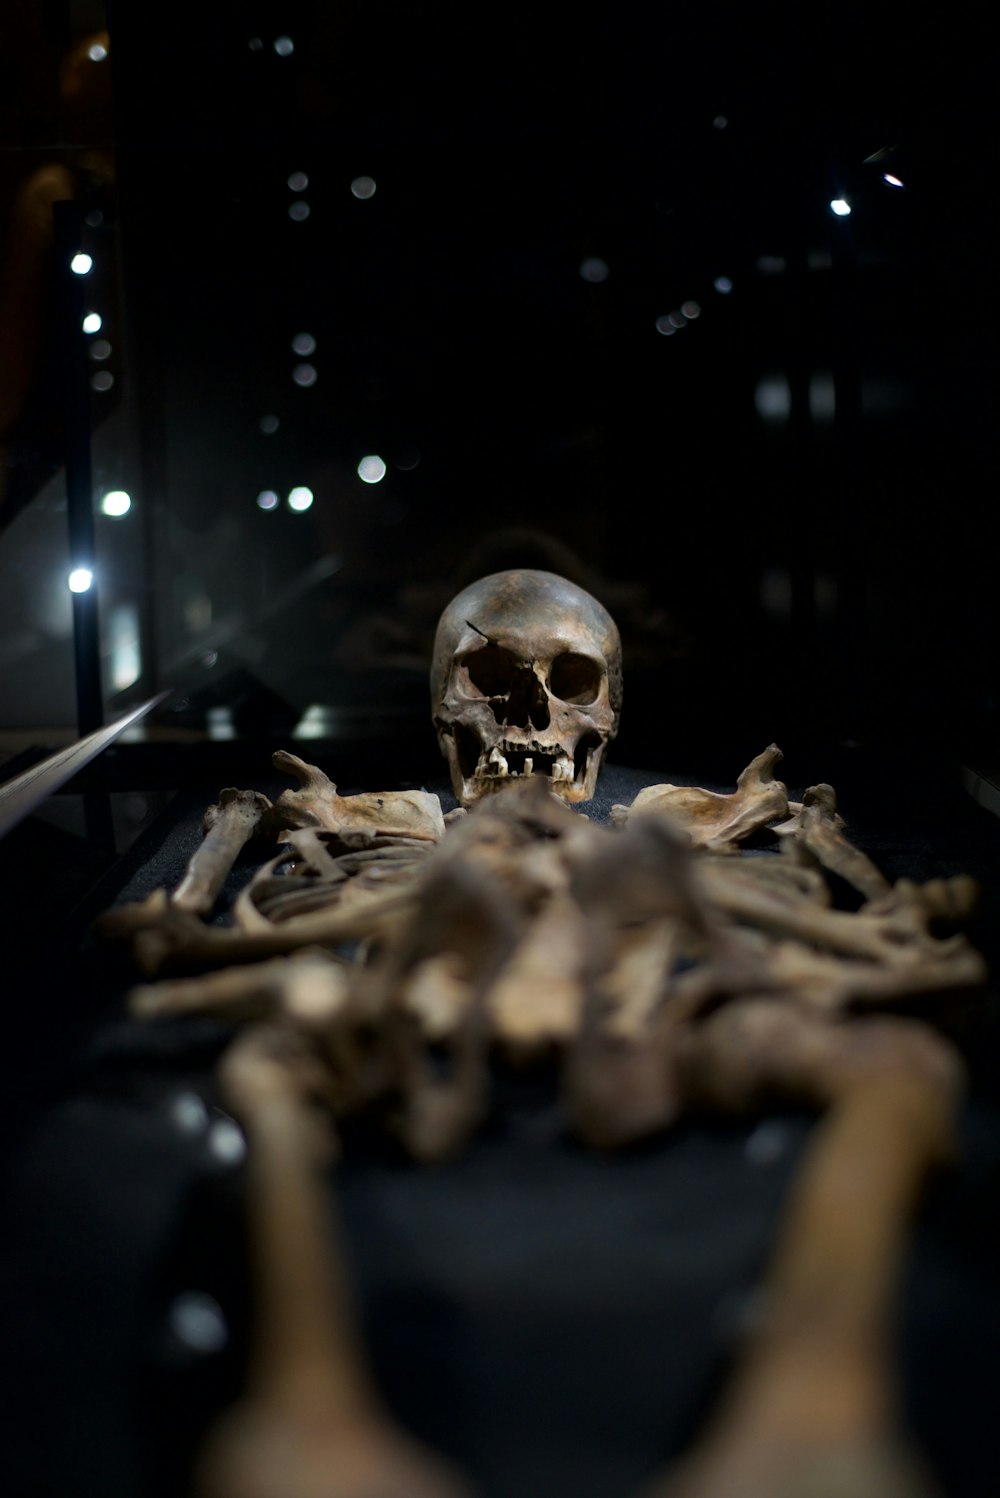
{"x": 527, "y": 705}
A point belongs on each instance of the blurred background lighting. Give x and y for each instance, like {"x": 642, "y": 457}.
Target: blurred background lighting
{"x": 267, "y": 499}
{"x": 773, "y": 399}
{"x": 892, "y": 181}
{"x": 363, "y": 187}
{"x": 98, "y": 52}
{"x": 371, "y": 470}
{"x": 269, "y": 424}
{"x": 80, "y": 579}
{"x": 771, "y": 265}
{"x": 691, "y": 310}
{"x": 81, "y": 265}
{"x": 676, "y": 319}
{"x": 304, "y": 375}
{"x": 300, "y": 498}
{"x": 284, "y": 46}
{"x": 594, "y": 269}
{"x": 304, "y": 343}
{"x": 255, "y": 44}
{"x": 298, "y": 182}
{"x": 197, "y": 1321}
{"x": 408, "y": 459}
{"x": 720, "y": 122}
{"x": 665, "y": 326}
{"x": 299, "y": 211}
{"x": 822, "y": 396}
{"x": 102, "y": 381}
{"x": 93, "y": 322}
{"x": 123, "y": 646}
{"x": 116, "y": 502}
{"x": 723, "y": 285}
{"x": 100, "y": 349}
{"x": 840, "y": 206}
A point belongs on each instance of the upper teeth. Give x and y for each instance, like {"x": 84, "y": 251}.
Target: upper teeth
{"x": 497, "y": 763}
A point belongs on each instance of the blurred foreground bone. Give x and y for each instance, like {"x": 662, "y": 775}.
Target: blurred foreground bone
{"x": 665, "y": 973}
{"x": 310, "y": 1423}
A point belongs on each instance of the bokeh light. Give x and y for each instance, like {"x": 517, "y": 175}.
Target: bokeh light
{"x": 116, "y": 502}
{"x": 371, "y": 469}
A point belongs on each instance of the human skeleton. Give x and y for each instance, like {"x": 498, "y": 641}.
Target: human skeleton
{"x": 688, "y": 957}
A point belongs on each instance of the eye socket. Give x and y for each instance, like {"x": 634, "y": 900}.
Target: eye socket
{"x": 575, "y": 678}
{"x": 491, "y": 670}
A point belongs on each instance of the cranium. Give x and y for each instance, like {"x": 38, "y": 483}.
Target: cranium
{"x": 526, "y": 679}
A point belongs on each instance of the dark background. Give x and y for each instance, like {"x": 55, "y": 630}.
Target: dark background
{"x": 788, "y": 503}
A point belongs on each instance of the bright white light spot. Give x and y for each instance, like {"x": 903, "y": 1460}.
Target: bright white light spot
{"x": 773, "y": 399}
{"x": 299, "y": 211}
{"x": 594, "y": 269}
{"x": 892, "y": 181}
{"x": 771, "y": 265}
{"x": 284, "y": 46}
{"x": 304, "y": 343}
{"x": 298, "y": 182}
{"x": 300, "y": 498}
{"x": 691, "y": 310}
{"x": 363, "y": 187}
{"x": 102, "y": 381}
{"x": 116, "y": 502}
{"x": 822, "y": 397}
{"x": 267, "y": 499}
{"x": 97, "y": 53}
{"x": 100, "y": 349}
{"x": 93, "y": 322}
{"x": 720, "y": 122}
{"x": 371, "y": 470}
{"x": 665, "y": 326}
{"x": 304, "y": 375}
{"x": 723, "y": 285}
{"x": 269, "y": 424}
{"x": 197, "y": 1321}
{"x": 81, "y": 265}
{"x": 840, "y": 206}
{"x": 80, "y": 579}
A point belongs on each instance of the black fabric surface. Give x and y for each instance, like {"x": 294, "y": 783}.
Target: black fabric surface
{"x": 557, "y": 1320}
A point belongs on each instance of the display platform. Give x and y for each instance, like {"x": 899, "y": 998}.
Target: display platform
{"x": 558, "y": 1320}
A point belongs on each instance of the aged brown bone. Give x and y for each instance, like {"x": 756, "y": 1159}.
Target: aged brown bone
{"x": 817, "y": 829}
{"x": 712, "y": 820}
{"x": 525, "y": 680}
{"x": 309, "y": 988}
{"x": 228, "y": 826}
{"x": 812, "y": 1407}
{"x": 311, "y": 1423}
{"x": 415, "y": 814}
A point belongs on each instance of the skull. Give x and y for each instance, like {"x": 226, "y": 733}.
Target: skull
{"x": 526, "y": 679}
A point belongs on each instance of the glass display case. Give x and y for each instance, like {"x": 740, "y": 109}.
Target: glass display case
{"x": 313, "y": 314}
